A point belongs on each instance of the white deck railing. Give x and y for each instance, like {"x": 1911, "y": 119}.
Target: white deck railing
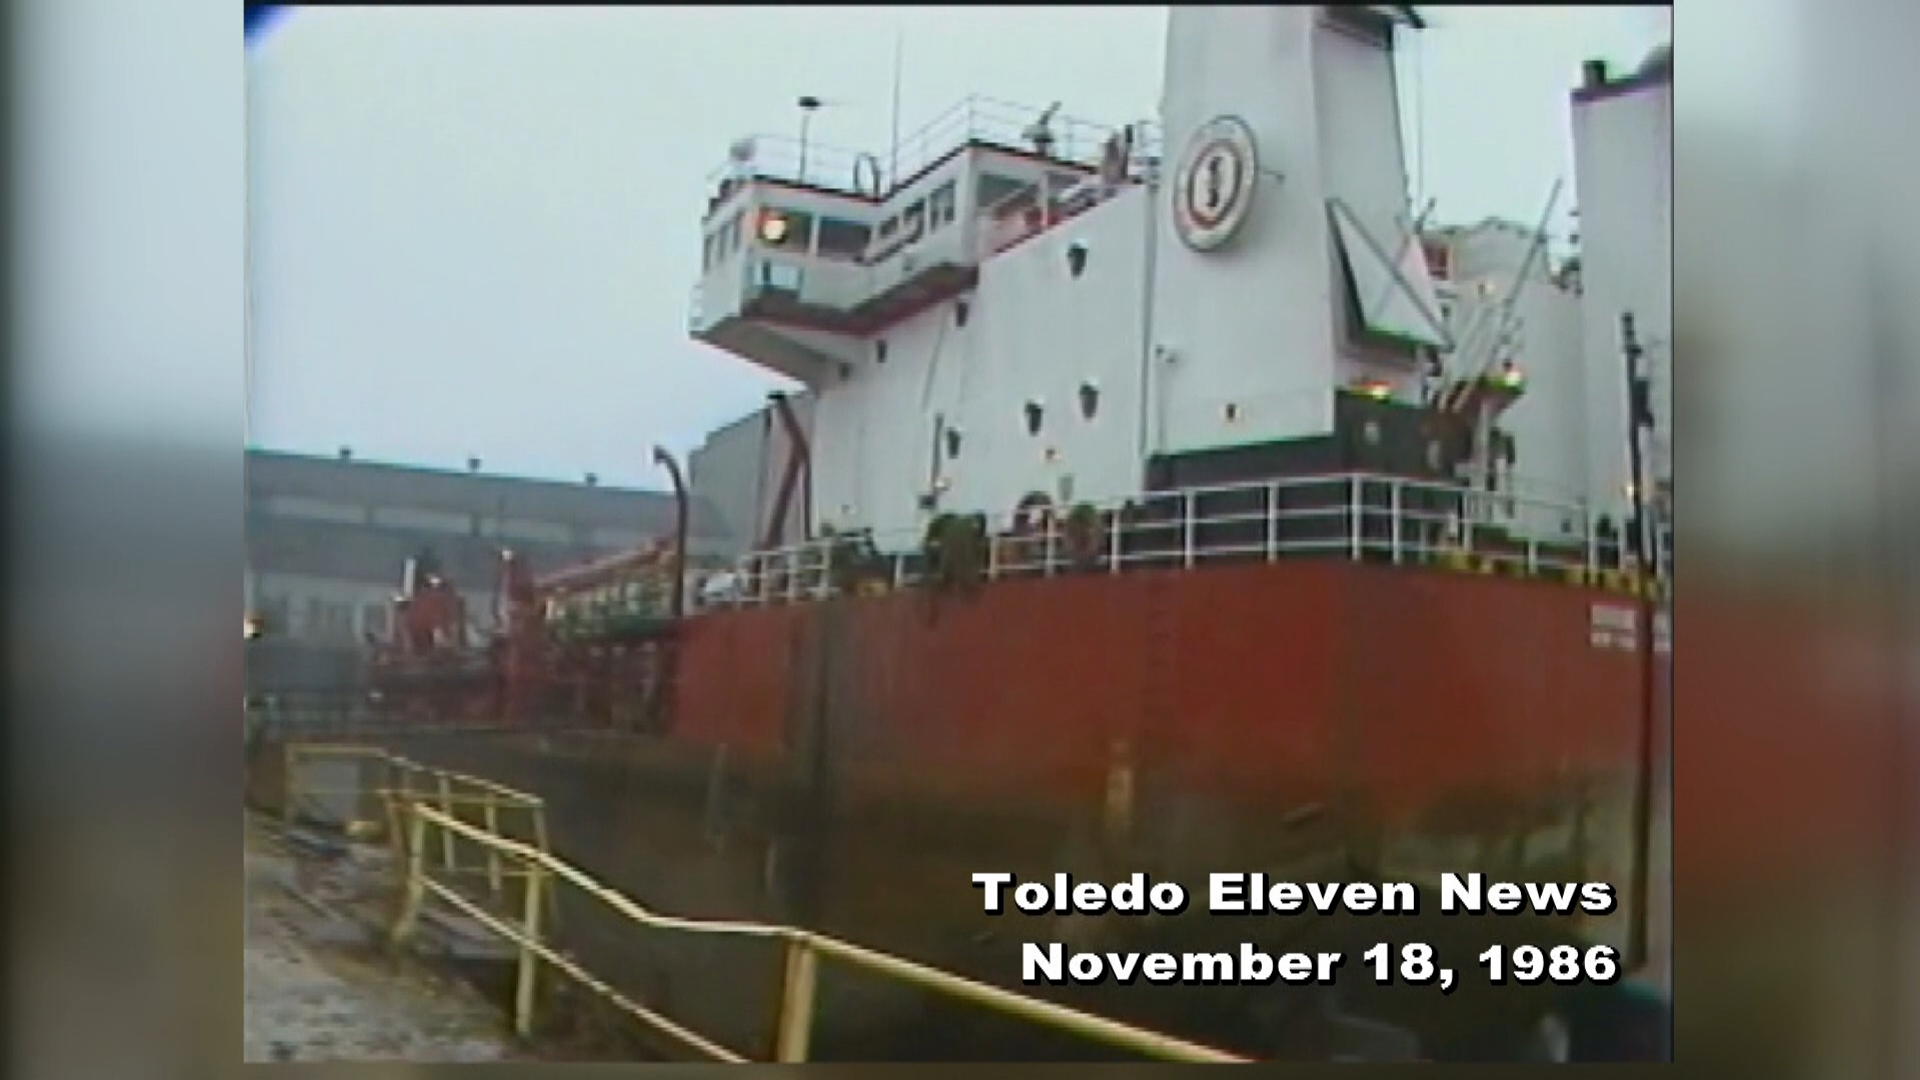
{"x": 1356, "y": 516}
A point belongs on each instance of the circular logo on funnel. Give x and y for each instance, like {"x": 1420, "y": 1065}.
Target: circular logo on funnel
{"x": 1213, "y": 188}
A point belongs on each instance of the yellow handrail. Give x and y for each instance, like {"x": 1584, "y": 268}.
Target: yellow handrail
{"x": 411, "y": 810}
{"x": 803, "y": 946}
{"x": 397, "y": 790}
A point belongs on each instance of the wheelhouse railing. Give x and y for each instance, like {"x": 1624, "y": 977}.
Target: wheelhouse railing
{"x": 976, "y": 119}
{"x": 1358, "y": 517}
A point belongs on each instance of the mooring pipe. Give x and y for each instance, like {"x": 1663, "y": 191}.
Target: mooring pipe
{"x": 680, "y": 503}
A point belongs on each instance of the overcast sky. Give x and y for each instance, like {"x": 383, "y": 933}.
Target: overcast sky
{"x": 476, "y": 229}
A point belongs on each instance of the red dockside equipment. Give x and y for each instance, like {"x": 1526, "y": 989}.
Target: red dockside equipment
{"x": 430, "y": 670}
{"x": 586, "y": 645}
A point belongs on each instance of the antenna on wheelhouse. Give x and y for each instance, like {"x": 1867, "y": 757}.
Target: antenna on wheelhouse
{"x": 808, "y": 106}
{"x": 893, "y": 146}
{"x": 1419, "y": 121}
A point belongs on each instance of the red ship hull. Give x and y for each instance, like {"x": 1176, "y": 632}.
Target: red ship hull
{"x": 1279, "y": 685}
{"x": 1312, "y": 719}
{"x": 851, "y": 762}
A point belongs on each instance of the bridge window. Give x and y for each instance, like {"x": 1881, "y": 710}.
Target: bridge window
{"x": 884, "y": 241}
{"x": 842, "y": 239}
{"x": 707, "y": 251}
{"x": 731, "y": 243}
{"x": 787, "y": 230}
{"x": 913, "y": 220}
{"x": 991, "y": 189}
{"x": 940, "y": 205}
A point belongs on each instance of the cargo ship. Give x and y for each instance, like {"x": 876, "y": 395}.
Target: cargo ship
{"x": 1164, "y": 498}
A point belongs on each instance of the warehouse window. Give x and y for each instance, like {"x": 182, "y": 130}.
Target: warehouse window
{"x": 328, "y": 620}
{"x": 275, "y": 611}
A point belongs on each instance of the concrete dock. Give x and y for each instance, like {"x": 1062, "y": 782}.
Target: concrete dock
{"x": 316, "y": 990}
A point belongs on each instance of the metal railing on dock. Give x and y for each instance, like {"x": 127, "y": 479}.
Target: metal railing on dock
{"x": 430, "y": 812}
{"x": 342, "y": 798}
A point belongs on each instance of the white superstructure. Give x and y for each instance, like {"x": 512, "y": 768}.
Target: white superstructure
{"x": 1501, "y": 291}
{"x": 1623, "y": 169}
{"x": 1025, "y": 303}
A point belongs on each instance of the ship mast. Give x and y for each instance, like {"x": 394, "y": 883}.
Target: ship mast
{"x": 1639, "y": 427}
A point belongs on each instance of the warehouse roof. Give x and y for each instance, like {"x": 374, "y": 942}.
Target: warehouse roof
{"x": 375, "y": 555}
{"x": 370, "y": 483}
